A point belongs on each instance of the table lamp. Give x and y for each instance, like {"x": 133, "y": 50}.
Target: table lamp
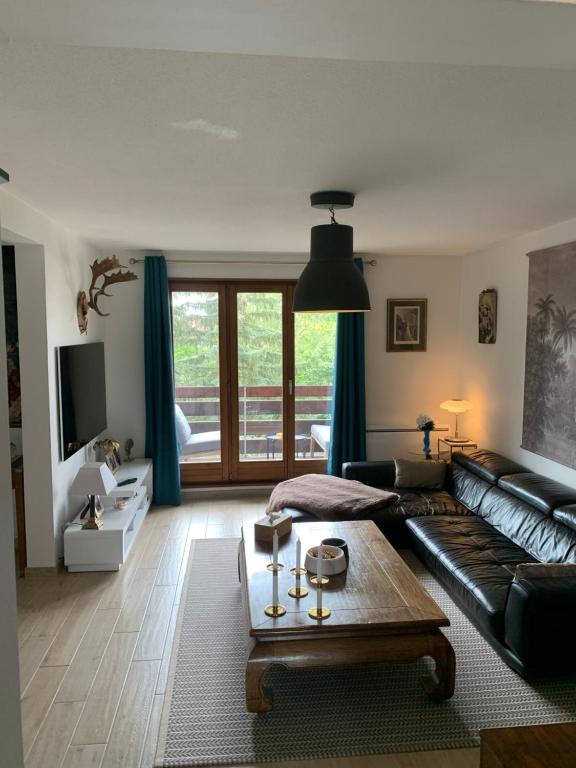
{"x": 456, "y": 407}
{"x": 93, "y": 479}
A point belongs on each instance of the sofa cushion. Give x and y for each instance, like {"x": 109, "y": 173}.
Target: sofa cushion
{"x": 424, "y": 503}
{"x": 486, "y": 464}
{"x": 539, "y": 491}
{"x": 566, "y": 514}
{"x": 474, "y": 561}
{"x": 544, "y": 571}
{"x": 528, "y": 527}
{"x": 183, "y": 431}
{"x": 378, "y": 474}
{"x": 419, "y": 474}
{"x": 466, "y": 487}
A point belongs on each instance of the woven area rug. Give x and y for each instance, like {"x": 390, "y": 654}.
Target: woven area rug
{"x": 330, "y": 712}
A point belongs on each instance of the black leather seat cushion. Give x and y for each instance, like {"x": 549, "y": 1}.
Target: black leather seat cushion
{"x": 473, "y": 560}
{"x": 537, "y": 490}
{"x": 486, "y": 464}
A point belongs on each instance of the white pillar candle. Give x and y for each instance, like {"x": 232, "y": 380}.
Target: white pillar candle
{"x": 275, "y": 549}
{"x": 298, "y": 553}
{"x": 319, "y": 584}
{"x": 275, "y": 587}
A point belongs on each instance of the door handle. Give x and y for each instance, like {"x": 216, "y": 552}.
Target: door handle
{"x": 290, "y": 387}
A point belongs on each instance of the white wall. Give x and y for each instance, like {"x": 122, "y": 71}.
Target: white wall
{"x": 493, "y": 374}
{"x": 52, "y": 265}
{"x": 10, "y": 727}
{"x": 399, "y": 385}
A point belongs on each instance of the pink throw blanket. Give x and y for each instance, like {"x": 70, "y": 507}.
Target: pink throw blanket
{"x": 329, "y": 498}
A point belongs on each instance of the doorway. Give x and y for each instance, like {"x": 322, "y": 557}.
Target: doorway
{"x": 253, "y": 381}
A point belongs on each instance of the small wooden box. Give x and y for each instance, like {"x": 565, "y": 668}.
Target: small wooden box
{"x": 264, "y": 529}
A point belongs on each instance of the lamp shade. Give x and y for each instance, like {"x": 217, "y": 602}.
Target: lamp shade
{"x": 456, "y": 406}
{"x": 94, "y": 478}
{"x": 331, "y": 282}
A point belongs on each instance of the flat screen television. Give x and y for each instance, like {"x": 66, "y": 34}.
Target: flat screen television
{"x": 82, "y": 386}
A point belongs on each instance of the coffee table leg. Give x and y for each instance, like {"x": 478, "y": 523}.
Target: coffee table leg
{"x": 256, "y": 698}
{"x": 441, "y": 686}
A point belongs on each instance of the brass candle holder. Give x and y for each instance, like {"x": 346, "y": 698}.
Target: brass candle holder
{"x": 274, "y": 609}
{"x": 319, "y": 582}
{"x": 319, "y": 614}
{"x": 298, "y": 591}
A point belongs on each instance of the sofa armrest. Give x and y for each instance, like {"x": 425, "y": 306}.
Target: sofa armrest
{"x": 378, "y": 474}
{"x": 540, "y": 622}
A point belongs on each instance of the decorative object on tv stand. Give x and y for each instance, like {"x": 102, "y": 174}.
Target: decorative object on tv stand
{"x": 102, "y": 271}
{"x": 487, "y": 316}
{"x": 331, "y": 282}
{"x": 128, "y": 445}
{"x": 456, "y": 407}
{"x": 107, "y": 445}
{"x": 425, "y": 424}
{"x": 93, "y": 479}
{"x": 275, "y": 610}
{"x": 406, "y": 328}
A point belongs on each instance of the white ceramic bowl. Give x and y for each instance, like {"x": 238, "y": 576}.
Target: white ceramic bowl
{"x": 331, "y": 565}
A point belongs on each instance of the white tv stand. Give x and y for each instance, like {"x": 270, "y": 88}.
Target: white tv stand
{"x": 107, "y": 549}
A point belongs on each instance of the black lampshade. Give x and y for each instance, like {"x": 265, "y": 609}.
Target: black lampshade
{"x": 331, "y": 282}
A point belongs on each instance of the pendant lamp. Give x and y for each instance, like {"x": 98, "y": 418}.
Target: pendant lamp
{"x": 331, "y": 282}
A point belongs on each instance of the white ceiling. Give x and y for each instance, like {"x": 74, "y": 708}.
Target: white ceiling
{"x": 177, "y": 149}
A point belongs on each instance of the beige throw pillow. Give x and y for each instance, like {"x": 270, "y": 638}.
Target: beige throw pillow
{"x": 544, "y": 570}
{"x": 419, "y": 474}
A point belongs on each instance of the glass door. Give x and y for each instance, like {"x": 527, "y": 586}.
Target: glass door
{"x": 253, "y": 381}
{"x": 199, "y": 338}
{"x": 314, "y": 350}
{"x": 261, "y": 429}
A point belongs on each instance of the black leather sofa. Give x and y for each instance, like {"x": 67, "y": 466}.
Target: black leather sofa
{"x": 492, "y": 515}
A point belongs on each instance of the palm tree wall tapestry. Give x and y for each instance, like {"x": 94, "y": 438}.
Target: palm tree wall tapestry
{"x": 549, "y": 424}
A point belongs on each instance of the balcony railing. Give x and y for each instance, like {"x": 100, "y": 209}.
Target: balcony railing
{"x": 260, "y": 414}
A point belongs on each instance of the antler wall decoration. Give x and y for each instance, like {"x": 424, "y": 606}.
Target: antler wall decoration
{"x": 104, "y": 271}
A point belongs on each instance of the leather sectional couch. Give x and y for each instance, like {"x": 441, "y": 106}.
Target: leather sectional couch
{"x": 493, "y": 515}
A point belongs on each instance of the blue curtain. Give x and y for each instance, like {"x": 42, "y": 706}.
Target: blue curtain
{"x": 348, "y": 437}
{"x": 161, "y": 443}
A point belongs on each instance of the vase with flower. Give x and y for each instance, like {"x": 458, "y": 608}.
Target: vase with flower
{"x": 425, "y": 424}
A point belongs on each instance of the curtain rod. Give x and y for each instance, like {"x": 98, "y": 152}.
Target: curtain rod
{"x": 132, "y": 260}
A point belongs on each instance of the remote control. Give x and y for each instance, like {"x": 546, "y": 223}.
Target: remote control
{"x": 128, "y": 481}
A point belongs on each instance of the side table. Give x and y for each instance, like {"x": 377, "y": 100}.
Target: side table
{"x": 451, "y": 447}
{"x": 276, "y": 437}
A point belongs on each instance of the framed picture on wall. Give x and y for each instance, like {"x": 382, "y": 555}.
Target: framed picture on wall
{"x": 406, "y": 325}
{"x": 487, "y": 316}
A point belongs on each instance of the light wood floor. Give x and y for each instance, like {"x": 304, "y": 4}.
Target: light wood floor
{"x": 95, "y": 648}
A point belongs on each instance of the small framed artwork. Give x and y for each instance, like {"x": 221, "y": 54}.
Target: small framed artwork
{"x": 111, "y": 460}
{"x": 406, "y": 326}
{"x": 487, "y": 316}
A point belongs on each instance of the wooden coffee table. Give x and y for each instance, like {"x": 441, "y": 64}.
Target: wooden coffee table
{"x": 379, "y": 611}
